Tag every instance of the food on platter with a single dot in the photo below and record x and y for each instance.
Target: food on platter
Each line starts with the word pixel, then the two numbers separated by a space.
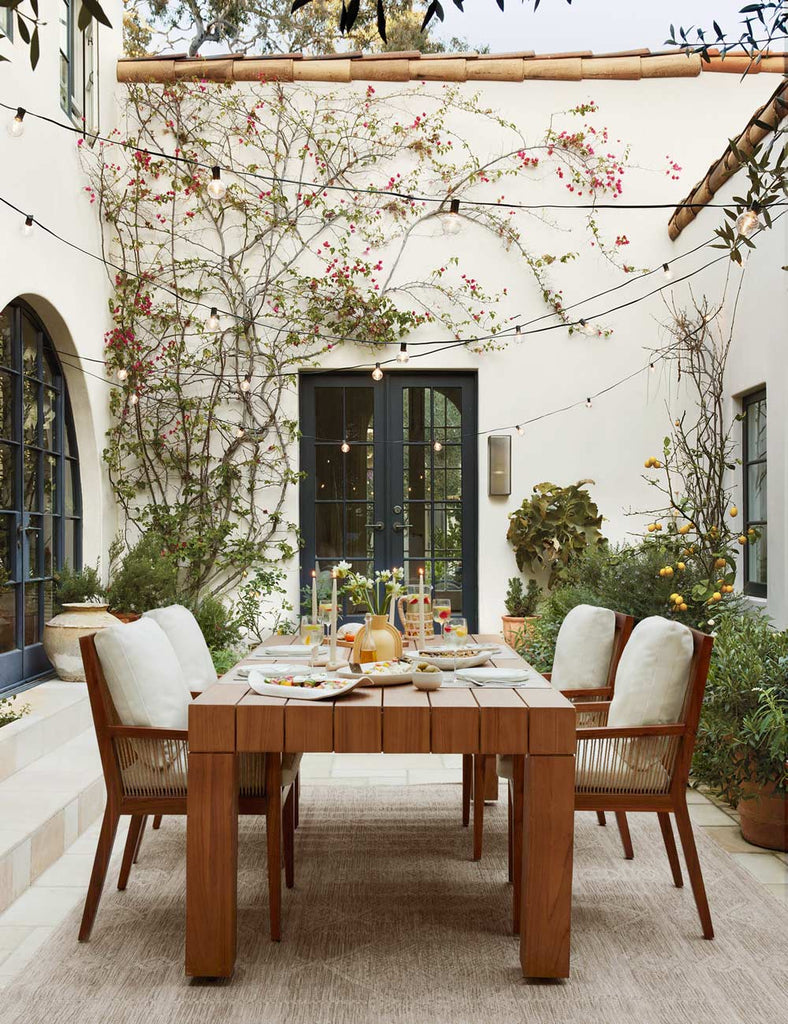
pixel 315 682
pixel 386 668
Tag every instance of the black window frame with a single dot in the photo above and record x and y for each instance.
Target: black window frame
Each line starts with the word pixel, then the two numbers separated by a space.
pixel 752 588
pixel 76 107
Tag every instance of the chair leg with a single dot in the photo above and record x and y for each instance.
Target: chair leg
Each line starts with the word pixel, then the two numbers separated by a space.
pixel 467 784
pixel 130 850
pixel 109 828
pixel 600 818
pixel 479 771
pixel 626 838
pixel 139 838
pixel 511 851
pixel 693 866
pixel 288 835
pixel 273 828
pixel 157 821
pixel 670 848
pixel 517 789
pixel 296 799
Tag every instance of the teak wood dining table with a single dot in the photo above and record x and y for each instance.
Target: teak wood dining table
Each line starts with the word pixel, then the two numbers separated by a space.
pixel 534 723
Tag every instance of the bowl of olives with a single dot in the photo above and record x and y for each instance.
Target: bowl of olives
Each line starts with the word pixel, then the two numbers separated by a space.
pixel 426 676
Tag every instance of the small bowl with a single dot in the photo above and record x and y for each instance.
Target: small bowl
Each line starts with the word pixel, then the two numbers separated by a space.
pixel 427 680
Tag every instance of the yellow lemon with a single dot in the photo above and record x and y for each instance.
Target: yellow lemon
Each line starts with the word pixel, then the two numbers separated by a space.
pixel 680 566
pixel 668 570
pixel 657 464
pixel 657 526
pixel 679 599
pixel 734 512
pixel 675 597
pixel 685 528
pixel 720 563
pixel 682 607
pixel 651 527
pixel 742 539
pixel 461 632
pixel 716 596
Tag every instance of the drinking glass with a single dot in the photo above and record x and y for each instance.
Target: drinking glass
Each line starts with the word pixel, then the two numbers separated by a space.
pixel 441 612
pixel 311 636
pixel 456 632
pixel 324 614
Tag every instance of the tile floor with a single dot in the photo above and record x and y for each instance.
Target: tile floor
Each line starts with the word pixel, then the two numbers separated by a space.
pixel 28 922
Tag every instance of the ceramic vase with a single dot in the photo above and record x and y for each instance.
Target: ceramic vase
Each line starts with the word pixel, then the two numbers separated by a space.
pixel 61 637
pixel 387 639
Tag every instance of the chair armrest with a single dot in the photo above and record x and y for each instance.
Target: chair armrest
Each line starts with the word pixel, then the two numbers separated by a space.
pixel 135 732
pixel 607 732
pixel 598 693
pixel 547 675
pixel 597 706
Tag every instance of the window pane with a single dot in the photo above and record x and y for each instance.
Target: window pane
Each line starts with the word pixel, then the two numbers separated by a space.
pixel 48 420
pixel 49 600
pixel 329 414
pixel 69 474
pixel 70 554
pixel 7 462
pixel 31 474
pixel 50 483
pixel 756 558
pixel 358 470
pixel 359 413
pixel 30 347
pixel 328 472
pixel 755 421
pixel 359 541
pixel 49 546
pixel 328 531
pixel 6 349
pixel 34 541
pixel 32 618
pixel 6 406
pixel 7 618
pixel 7 543
pixel 416 422
pixel 31 419
pixel 756 492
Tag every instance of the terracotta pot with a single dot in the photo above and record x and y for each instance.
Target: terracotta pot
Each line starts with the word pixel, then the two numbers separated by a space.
pixel 764 817
pixel 388 640
pixel 126 616
pixel 514 624
pixel 61 637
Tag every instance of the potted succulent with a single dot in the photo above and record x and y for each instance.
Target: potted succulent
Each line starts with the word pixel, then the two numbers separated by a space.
pixel 742 748
pixel 520 606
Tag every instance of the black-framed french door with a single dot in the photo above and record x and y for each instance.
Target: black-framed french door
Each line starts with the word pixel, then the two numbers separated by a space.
pixel 390 478
pixel 40 499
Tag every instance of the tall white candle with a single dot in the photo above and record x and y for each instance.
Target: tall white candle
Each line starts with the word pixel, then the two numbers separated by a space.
pixel 314 595
pixel 334 608
pixel 422 637
pixel 393 605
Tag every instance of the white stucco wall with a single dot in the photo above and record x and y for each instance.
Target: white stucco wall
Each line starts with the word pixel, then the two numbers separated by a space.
pixel 689 119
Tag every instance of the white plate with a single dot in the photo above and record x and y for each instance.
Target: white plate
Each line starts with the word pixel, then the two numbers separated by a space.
pixel 402 675
pixel 446 660
pixel 281 668
pixel 494 676
pixel 286 650
pixel 266 687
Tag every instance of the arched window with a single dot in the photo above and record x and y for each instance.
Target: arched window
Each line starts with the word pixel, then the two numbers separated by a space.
pixel 40 499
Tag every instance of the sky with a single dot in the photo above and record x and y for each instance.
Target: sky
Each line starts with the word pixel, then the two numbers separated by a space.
pixel 598 25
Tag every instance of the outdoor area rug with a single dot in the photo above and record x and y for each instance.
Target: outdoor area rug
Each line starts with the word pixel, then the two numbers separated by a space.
pixel 391 922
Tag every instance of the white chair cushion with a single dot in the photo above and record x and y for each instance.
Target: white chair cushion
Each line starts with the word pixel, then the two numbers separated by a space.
pixel 144 675
pixel 186 637
pixel 584 648
pixel 652 676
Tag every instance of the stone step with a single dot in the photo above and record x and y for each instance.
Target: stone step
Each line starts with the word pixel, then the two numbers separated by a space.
pixel 58 712
pixel 44 807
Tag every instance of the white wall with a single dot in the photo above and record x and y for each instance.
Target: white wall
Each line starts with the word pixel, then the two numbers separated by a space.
pixel 41 175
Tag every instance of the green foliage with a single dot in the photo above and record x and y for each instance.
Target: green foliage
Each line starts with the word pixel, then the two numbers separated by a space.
pixel 225 657
pixel 743 733
pixel 519 602
pixel 260 605
pixel 10 711
pixel 220 629
pixel 77 585
pixel 553 527
pixel 144 576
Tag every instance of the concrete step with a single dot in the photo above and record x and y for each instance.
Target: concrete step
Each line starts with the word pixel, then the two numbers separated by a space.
pixel 45 806
pixel 58 712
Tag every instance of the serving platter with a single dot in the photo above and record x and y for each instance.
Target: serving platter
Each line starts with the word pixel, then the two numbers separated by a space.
pixel 380 673
pixel 469 656
pixel 293 687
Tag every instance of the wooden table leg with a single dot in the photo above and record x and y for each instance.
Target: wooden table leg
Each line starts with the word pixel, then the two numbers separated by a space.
pixel 211 865
pixel 546 893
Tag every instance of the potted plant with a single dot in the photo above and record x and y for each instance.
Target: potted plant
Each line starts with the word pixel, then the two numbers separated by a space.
pixel 520 606
pixel 80 611
pixel 142 577
pixel 742 748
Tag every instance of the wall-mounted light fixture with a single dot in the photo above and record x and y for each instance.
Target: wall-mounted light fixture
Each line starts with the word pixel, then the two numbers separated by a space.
pixel 499 465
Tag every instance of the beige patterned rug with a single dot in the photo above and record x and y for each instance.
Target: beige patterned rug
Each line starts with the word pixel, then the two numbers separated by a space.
pixel 392 923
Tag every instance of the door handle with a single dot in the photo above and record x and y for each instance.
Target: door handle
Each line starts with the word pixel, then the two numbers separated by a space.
pixel 374 526
pixel 400 527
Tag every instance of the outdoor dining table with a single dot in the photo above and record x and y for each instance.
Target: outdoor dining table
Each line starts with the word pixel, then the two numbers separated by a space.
pixel 535 723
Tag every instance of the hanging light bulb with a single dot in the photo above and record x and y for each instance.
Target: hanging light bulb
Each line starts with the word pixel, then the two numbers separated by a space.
pixel 212 323
pixel 437 446
pixel 452 224
pixel 402 355
pixel 245 385
pixel 667 272
pixel 377 373
pixel 27 227
pixel 517 329
pixel 588 403
pixel 749 222
pixel 240 432
pixel 216 187
pixel 586 328
pixel 652 368
pixel 133 399
pixel 519 429
pixel 344 447
pixel 123 373
pixel 16 126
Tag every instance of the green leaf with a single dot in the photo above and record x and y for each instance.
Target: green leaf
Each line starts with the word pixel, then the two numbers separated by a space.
pixel 22 28
pixel 97 11
pixel 35 49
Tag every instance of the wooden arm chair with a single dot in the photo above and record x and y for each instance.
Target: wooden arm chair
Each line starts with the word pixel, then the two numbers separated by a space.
pixel 146 772
pixel 625 768
pixel 478 768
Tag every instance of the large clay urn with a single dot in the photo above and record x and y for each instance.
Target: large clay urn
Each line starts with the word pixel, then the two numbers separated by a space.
pixel 61 637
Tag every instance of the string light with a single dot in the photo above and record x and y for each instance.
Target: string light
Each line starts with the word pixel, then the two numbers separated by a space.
pixel 216 187
pixel 437 446
pixel 586 328
pixel 133 399
pixel 344 447
pixel 749 222
pixel 519 429
pixel 212 324
pixel 377 373
pixel 245 385
pixel 123 373
pixel 452 224
pixel 667 272
pixel 16 126
pixel 652 367
pixel 517 329
pixel 588 403
pixel 402 355
pixel 240 432
pixel 27 227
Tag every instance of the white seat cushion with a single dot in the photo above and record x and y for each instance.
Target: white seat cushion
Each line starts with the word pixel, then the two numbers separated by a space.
pixel 144 675
pixel 584 648
pixel 186 637
pixel 652 676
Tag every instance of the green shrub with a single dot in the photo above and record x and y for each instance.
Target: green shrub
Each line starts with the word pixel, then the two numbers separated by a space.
pixel 225 657
pixel 77 585
pixel 10 711
pixel 145 577
pixel 216 621
pixel 519 602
